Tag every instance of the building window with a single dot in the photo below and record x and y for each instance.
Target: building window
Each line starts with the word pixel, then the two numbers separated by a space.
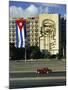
pixel 32 44
pixel 36 30
pixel 36 39
pixel 32 26
pixel 36 21
pixel 10 34
pixel 13 39
pixel 32 39
pixel 36 25
pixel 13 31
pixel 36 43
pixel 13 34
pixel 9 39
pixel 36 34
pixel 13 26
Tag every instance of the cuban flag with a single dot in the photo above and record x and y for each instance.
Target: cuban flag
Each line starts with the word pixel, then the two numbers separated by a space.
pixel 20 33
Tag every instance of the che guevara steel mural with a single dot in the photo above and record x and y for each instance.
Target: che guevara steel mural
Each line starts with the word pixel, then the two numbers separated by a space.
pixel 48 29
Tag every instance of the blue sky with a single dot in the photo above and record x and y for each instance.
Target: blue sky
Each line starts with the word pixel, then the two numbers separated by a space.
pixel 30 9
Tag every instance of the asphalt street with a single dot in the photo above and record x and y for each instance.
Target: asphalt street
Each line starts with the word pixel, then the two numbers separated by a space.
pixel 55 65
pixel 34 74
pixel 32 79
pixel 23 74
pixel 36 83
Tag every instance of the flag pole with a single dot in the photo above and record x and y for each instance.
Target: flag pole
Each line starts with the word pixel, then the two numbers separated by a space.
pixel 25 43
pixel 25 49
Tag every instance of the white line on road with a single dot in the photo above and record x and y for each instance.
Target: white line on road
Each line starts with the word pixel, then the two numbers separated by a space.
pixel 33 71
pixel 37 78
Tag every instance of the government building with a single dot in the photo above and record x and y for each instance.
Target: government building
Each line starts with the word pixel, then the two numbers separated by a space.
pixel 43 31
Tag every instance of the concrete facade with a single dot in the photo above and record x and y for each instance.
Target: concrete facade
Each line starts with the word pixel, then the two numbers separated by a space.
pixel 12 31
pixel 42 31
pixel 32 31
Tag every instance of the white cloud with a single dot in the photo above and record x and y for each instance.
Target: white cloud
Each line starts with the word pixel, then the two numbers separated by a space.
pixel 40 9
pixel 17 12
pixel 31 11
pixel 43 9
pixel 46 10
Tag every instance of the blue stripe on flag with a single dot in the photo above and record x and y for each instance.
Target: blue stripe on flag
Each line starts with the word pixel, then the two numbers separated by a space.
pixel 21 38
pixel 16 36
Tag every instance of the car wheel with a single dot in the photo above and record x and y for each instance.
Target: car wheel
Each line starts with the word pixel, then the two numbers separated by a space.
pixel 47 72
pixel 50 71
pixel 38 72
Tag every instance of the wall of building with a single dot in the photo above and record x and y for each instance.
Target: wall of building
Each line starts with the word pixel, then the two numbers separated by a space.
pixel 32 31
pixel 12 31
pixel 49 27
pixel 43 31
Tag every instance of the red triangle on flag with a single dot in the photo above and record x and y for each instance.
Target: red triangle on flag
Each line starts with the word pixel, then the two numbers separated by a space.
pixel 20 22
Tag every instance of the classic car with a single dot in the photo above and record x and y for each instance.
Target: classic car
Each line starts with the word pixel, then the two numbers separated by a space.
pixel 44 70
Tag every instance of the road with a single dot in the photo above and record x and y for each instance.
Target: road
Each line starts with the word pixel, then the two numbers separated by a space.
pixel 34 74
pixel 32 79
pixel 55 65
pixel 23 74
pixel 36 83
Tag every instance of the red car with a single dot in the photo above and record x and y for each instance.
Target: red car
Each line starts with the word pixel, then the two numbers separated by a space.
pixel 44 71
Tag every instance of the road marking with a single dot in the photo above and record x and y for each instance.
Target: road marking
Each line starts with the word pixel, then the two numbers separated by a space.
pixel 32 71
pixel 37 78
pixel 22 71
